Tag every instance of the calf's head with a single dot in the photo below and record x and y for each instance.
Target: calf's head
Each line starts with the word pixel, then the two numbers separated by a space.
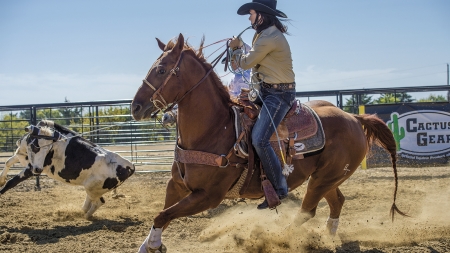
pixel 39 143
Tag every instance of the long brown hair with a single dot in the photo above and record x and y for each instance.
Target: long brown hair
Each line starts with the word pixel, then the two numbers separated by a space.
pixel 267 21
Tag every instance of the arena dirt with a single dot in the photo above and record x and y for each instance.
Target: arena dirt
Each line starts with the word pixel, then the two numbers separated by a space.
pixel 51 220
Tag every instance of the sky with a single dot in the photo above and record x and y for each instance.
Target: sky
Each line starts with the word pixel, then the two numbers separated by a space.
pixel 83 50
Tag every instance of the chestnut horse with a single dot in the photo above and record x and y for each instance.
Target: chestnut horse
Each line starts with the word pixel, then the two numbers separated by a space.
pixel 181 75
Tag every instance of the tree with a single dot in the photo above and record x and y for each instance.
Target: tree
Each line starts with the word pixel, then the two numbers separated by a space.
pixel 433 98
pixel 351 104
pixel 12 129
pixel 392 98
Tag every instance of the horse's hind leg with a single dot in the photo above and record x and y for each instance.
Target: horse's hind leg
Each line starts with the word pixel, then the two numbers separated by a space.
pixel 335 200
pixel 314 193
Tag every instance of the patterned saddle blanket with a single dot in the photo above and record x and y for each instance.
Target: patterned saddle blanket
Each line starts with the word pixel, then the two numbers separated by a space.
pixel 300 132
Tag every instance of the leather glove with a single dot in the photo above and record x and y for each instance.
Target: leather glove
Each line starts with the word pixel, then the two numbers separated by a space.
pixel 236 43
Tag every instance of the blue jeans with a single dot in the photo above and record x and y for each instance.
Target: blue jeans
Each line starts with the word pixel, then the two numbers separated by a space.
pixel 276 104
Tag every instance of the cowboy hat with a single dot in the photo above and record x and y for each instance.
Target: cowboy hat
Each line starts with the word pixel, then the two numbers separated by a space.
pixel 266 6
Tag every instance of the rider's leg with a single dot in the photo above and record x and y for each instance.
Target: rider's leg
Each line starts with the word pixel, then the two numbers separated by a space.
pixel 272 113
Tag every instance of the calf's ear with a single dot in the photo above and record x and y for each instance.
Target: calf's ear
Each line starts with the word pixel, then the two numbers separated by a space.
pixel 32 130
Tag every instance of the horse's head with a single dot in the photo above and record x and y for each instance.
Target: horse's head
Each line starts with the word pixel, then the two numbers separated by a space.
pixel 162 83
pixel 39 143
pixel 177 72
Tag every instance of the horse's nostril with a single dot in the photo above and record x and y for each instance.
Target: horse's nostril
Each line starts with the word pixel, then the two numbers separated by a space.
pixel 136 108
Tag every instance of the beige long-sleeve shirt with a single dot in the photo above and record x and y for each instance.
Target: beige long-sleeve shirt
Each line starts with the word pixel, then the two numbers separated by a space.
pixel 270 56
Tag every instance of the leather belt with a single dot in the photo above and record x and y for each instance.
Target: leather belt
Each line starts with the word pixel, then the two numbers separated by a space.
pixel 279 86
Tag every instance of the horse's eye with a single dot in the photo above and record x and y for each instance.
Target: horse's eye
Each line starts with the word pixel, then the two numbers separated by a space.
pixel 161 71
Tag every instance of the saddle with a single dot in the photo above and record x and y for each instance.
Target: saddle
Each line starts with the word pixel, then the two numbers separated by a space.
pixel 300 133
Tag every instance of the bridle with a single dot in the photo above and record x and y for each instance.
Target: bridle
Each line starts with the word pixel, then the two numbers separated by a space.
pixel 157 96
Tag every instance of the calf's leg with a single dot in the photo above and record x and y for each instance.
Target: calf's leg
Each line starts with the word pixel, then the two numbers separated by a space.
pixel 95 204
pixel 87 204
pixel 10 162
pixel 23 175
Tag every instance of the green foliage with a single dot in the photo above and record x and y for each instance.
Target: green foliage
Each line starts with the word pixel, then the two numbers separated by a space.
pixel 102 125
pixel 433 98
pixel 351 103
pixel 392 98
pixel 13 128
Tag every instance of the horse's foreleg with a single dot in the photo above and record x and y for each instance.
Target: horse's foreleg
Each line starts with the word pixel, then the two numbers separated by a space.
pixel 174 193
pixel 194 203
pixel 335 200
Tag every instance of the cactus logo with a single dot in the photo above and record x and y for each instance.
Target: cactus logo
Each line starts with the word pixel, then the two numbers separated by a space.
pixel 422 133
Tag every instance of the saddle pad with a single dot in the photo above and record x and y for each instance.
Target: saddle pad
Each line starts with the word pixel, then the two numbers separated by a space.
pixel 303 122
pixel 306 144
pixel 305 129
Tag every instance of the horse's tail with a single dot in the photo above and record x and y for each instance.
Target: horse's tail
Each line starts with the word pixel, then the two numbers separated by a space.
pixel 377 131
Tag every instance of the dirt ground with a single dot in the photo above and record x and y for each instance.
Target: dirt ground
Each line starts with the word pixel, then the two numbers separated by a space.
pixel 51 220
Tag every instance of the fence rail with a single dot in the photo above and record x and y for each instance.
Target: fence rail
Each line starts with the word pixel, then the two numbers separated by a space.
pixel 106 123
pixel 110 124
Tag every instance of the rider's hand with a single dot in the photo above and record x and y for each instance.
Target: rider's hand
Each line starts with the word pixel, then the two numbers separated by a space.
pixel 236 43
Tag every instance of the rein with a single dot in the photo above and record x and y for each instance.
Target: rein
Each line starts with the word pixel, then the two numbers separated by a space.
pixel 174 71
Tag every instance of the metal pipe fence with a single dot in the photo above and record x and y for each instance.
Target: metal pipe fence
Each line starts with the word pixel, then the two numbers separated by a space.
pixel 106 123
pixel 110 124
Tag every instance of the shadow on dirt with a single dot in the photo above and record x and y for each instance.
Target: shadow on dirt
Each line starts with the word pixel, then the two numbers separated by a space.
pixel 54 234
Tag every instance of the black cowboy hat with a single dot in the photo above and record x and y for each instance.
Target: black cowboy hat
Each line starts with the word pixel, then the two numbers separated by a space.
pixel 266 6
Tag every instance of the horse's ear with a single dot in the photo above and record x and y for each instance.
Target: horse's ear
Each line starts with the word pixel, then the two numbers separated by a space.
pixel 180 44
pixel 161 45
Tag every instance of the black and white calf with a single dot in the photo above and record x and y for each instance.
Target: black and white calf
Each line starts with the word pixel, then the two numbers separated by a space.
pixel 21 155
pixel 72 160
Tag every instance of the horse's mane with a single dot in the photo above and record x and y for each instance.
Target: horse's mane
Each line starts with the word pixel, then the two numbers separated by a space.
pixel 198 54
